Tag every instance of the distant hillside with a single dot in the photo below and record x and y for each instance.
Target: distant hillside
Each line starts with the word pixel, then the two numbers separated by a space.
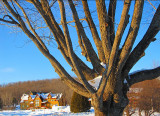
pixel 10 94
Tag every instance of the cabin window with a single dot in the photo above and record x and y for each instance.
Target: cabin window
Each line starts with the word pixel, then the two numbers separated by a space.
pixel 37 103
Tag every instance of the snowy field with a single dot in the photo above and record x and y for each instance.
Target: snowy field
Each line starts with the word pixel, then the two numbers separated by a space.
pixel 56 111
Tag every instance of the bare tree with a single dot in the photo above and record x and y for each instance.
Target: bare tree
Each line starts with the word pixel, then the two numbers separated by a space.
pixel 110 98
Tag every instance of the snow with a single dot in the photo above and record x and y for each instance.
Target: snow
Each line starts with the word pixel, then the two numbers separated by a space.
pixel 135 90
pixel 137 71
pixel 103 64
pixel 95 82
pixel 58 95
pixel 33 96
pixel 24 97
pixel 55 111
pixel 43 95
pixel 125 81
pixel 143 113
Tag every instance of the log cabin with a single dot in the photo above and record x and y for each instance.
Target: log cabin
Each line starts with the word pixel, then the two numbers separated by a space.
pixel 35 100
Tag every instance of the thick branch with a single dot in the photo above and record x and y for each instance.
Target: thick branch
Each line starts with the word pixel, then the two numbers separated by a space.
pixel 57 66
pixel 70 49
pixel 49 14
pixel 144 75
pixel 111 15
pixel 59 36
pixel 102 86
pixel 94 32
pixel 104 28
pixel 121 27
pixel 86 42
pixel 139 50
pixel 29 24
pixel 133 31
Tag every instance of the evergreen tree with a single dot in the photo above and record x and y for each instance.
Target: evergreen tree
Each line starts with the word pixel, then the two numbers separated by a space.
pixel 79 103
pixel 1 103
pixel 14 101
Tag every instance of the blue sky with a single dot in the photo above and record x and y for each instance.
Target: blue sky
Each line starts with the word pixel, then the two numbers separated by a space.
pixel 20 60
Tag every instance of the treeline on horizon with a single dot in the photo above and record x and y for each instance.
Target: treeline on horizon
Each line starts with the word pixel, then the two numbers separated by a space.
pixel 10 94
pixel 148 99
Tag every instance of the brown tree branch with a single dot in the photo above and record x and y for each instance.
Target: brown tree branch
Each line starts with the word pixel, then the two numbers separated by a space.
pixel 83 19
pixel 102 86
pixel 144 75
pixel 94 32
pixel 11 22
pixel 57 66
pixel 121 27
pixel 47 15
pixel 48 12
pixel 139 50
pixel 133 31
pixel 50 21
pixel 86 42
pixel 29 24
pixel 152 4
pixel 104 28
pixel 70 49
pixel 111 15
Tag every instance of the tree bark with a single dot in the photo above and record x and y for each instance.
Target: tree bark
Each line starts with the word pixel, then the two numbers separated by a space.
pixel 99 113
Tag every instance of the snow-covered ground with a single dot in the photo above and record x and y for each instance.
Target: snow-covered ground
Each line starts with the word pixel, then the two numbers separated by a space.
pixel 56 111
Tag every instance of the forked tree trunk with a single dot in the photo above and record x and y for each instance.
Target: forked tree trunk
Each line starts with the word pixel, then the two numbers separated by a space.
pixel 114 112
pixel 100 113
pixel 114 106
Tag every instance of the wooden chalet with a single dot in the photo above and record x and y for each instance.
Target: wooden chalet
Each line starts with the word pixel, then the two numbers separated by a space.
pixel 35 100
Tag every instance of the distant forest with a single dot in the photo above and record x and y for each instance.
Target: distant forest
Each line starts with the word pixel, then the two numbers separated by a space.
pixel 10 94
pixel 145 95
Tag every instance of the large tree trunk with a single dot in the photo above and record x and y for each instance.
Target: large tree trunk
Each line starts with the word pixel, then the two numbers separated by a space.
pixel 100 113
pixel 114 104
pixel 112 112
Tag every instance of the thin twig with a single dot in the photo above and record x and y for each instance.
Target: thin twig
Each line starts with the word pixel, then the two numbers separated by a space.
pixel 152 5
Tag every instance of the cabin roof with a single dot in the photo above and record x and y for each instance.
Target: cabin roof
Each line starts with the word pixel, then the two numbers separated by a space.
pixel 43 96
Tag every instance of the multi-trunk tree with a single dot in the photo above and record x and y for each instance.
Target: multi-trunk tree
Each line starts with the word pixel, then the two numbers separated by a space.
pixel 109 99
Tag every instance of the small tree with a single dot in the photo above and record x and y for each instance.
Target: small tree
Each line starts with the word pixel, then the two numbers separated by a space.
pixel 63 101
pixel 1 104
pixel 14 102
pixel 79 103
